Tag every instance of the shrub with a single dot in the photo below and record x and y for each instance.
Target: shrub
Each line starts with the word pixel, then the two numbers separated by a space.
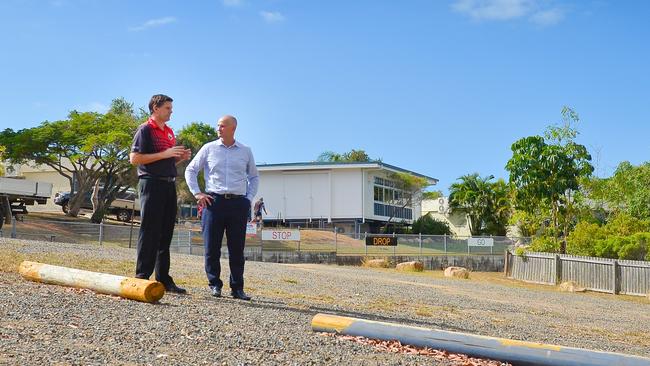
pixel 582 239
pixel 545 244
pixel 427 225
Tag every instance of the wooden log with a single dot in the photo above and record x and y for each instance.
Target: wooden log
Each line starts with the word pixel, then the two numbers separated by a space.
pixel 503 349
pixel 130 288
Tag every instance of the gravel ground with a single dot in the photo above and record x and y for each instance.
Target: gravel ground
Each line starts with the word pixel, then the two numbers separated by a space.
pixel 46 324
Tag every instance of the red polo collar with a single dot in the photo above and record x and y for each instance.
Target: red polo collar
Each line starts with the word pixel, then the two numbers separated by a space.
pixel 153 124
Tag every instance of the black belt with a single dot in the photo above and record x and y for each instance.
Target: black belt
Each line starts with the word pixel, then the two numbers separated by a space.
pixel 227 196
pixel 164 179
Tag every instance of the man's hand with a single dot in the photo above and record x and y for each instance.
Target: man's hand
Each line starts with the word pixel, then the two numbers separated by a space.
pixel 203 199
pixel 174 152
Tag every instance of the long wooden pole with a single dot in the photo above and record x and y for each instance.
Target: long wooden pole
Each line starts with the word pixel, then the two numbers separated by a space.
pixel 517 352
pixel 130 288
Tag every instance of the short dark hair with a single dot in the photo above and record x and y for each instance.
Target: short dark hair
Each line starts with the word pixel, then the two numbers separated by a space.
pixel 158 100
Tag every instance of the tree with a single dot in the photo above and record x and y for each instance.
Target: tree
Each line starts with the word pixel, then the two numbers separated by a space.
pixel 628 190
pixel 408 192
pixel 2 167
pixel 95 145
pixel 486 204
pixel 427 225
pixel 546 171
pixel 193 136
pixel 111 149
pixel 348 157
pixel 431 195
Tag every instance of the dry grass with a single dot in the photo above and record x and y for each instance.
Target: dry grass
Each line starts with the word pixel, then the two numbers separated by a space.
pixel 375 263
pixel 10 260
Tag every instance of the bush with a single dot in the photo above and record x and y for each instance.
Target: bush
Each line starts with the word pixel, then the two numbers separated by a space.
pixel 583 238
pixel 427 225
pixel 634 247
pixel 545 244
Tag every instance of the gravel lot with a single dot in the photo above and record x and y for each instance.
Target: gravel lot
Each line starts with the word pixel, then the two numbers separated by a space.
pixel 46 324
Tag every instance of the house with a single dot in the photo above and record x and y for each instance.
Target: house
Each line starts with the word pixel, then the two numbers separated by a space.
pixel 439 210
pixel 354 197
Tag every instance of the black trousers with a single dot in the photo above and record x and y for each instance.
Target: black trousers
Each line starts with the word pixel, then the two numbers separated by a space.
pixel 229 215
pixel 158 215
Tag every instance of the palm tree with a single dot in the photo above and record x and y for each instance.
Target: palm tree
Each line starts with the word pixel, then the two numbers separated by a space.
pixel 486 204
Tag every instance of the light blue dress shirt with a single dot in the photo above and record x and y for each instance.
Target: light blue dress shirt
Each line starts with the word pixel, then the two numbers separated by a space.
pixel 227 169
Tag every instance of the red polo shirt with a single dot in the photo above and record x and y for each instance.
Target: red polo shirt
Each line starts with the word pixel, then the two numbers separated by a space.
pixel 151 139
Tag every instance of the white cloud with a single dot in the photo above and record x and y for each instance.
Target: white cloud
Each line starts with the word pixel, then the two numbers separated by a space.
pixel 232 2
pixel 493 9
pixel 536 11
pixel 548 17
pixel 272 16
pixel 153 23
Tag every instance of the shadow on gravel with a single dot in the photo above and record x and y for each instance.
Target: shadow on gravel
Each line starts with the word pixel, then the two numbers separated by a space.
pixel 313 310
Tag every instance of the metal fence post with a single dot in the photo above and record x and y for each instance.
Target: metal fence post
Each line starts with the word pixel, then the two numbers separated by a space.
pixel 101 232
pixel 558 269
pixel 336 240
pixel 189 237
pixel 298 240
pixel 13 227
pixel 445 243
pixel 365 234
pixel 420 241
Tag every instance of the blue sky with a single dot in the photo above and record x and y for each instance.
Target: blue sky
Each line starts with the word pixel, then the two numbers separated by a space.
pixel 440 87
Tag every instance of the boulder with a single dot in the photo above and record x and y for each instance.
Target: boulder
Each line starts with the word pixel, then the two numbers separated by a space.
pixel 571 286
pixel 414 266
pixel 376 263
pixel 458 272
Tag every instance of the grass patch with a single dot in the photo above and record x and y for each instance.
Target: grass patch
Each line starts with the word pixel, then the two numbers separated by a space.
pixel 290 280
pixel 11 259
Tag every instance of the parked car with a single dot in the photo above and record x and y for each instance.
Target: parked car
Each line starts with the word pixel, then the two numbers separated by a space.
pixel 121 207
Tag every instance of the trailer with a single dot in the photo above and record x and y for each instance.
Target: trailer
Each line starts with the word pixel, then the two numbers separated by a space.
pixel 16 194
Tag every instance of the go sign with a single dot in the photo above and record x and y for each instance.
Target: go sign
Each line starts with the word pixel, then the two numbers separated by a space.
pixel 381 241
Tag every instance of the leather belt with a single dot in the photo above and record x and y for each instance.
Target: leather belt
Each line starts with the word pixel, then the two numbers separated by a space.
pixel 164 179
pixel 227 196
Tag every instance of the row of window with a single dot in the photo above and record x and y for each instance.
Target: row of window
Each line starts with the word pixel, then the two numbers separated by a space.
pixel 394 211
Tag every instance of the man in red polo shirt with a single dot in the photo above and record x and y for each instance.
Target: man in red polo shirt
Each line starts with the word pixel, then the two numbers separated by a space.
pixel 154 152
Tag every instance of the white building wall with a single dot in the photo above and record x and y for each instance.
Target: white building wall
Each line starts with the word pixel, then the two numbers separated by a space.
pixel 346 193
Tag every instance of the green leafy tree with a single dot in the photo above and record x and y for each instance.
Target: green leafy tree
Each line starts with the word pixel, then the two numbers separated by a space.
pixel 2 166
pixel 628 190
pixel 95 145
pixel 348 157
pixel 409 189
pixel 193 136
pixel 427 225
pixel 111 148
pixel 431 195
pixel 546 171
pixel 485 203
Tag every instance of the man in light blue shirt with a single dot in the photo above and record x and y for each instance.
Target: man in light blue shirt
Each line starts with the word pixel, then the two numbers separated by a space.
pixel 231 182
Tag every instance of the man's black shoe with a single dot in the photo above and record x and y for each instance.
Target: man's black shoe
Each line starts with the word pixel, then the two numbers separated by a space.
pixel 175 289
pixel 216 292
pixel 240 294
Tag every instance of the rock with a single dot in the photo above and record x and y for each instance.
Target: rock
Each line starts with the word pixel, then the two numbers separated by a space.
pixel 571 286
pixel 414 266
pixel 376 263
pixel 458 272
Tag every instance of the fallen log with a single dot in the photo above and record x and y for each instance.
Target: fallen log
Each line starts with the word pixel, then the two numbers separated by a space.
pixel 127 287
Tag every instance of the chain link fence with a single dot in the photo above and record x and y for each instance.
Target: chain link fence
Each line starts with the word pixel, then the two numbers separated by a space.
pixel 187 239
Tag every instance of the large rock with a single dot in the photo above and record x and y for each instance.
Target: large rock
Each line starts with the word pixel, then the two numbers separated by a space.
pixel 376 263
pixel 571 286
pixel 414 266
pixel 458 272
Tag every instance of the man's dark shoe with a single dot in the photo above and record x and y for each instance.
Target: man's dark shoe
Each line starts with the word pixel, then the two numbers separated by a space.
pixel 171 287
pixel 216 292
pixel 240 294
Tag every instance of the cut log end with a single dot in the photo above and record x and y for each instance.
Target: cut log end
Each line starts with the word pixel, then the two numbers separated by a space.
pixel 142 290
